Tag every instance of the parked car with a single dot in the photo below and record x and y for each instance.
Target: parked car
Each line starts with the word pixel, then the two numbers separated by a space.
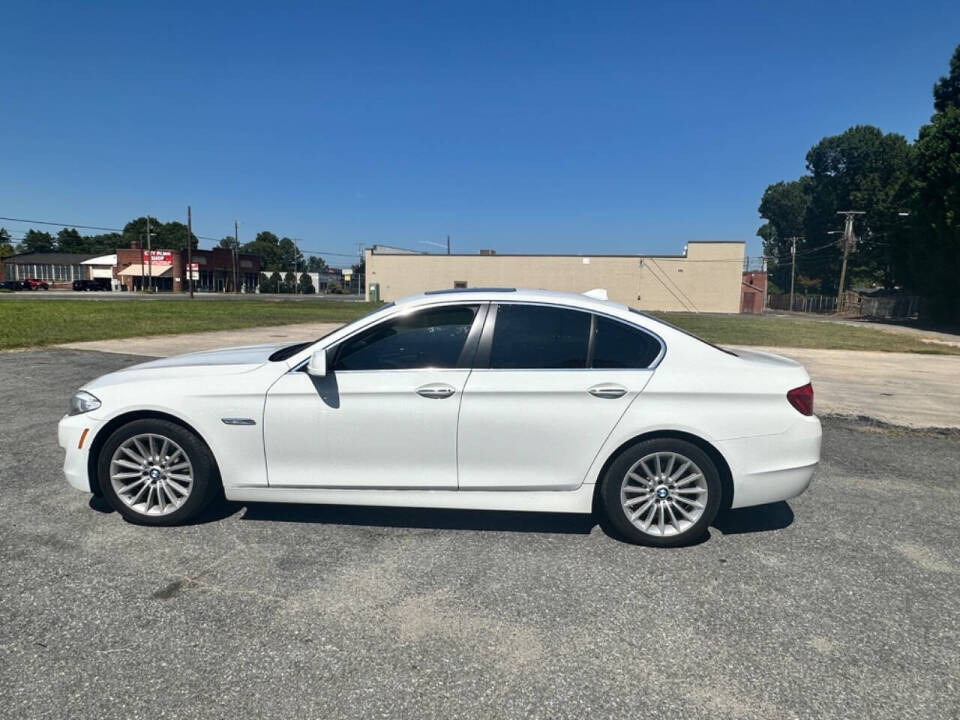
pixel 35 284
pixel 13 285
pixel 94 284
pixel 485 399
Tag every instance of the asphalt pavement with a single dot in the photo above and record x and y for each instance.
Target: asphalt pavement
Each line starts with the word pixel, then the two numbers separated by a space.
pixel 841 603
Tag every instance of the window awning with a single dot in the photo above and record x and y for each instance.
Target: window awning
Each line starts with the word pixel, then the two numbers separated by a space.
pixel 155 271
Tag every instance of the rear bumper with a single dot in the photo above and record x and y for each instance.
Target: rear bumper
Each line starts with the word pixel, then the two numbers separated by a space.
pixel 69 432
pixel 771 468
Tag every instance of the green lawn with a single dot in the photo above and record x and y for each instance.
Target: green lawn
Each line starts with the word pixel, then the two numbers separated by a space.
pixel 799 333
pixel 28 322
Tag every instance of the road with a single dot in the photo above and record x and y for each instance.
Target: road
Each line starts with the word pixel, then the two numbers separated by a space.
pixel 840 603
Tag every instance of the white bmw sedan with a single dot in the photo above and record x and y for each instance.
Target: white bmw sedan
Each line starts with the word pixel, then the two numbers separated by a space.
pixel 495 399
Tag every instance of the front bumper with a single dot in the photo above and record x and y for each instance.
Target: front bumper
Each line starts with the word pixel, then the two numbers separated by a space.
pixel 771 468
pixel 69 432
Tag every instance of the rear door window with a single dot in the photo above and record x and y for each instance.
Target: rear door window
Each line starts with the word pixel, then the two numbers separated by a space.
pixel 617 345
pixel 539 337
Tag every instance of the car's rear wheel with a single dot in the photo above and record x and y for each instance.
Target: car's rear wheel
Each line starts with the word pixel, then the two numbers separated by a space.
pixel 155 472
pixel 663 492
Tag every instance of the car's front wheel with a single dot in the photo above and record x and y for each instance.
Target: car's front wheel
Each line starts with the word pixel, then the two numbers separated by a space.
pixel 663 492
pixel 155 472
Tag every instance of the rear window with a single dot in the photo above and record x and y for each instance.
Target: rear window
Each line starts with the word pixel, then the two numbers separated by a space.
pixel 616 345
pixel 681 330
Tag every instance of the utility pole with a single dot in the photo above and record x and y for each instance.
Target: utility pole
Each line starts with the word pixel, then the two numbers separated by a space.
pixel 149 257
pixel 849 240
pixel 763 268
pixel 236 247
pixel 296 267
pixel 190 251
pixel 448 244
pixel 793 263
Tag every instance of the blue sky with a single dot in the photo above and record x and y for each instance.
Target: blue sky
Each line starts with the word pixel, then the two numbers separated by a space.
pixel 524 127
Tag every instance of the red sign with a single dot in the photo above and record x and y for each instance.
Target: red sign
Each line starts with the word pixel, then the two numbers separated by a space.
pixel 158 257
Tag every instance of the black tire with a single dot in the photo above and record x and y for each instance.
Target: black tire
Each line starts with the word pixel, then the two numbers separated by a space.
pixel 613 480
pixel 206 478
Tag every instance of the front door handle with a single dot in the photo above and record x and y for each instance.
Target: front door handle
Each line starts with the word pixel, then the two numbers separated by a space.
pixel 608 390
pixel 436 391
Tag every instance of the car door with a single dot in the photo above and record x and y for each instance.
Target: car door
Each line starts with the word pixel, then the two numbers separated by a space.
pixel 385 415
pixel 550 384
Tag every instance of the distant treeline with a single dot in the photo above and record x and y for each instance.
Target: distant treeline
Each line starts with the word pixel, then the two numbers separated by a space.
pixel 909 236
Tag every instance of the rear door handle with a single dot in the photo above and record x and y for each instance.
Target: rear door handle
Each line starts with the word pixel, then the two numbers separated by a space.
pixel 436 391
pixel 608 390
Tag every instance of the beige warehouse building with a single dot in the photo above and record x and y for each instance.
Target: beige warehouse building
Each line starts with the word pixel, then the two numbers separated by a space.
pixel 705 278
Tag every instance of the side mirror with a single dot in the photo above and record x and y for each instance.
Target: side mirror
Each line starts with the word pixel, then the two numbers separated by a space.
pixel 317 367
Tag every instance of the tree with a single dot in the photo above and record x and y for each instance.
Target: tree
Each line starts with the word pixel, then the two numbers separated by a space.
pixel 276 282
pixel 946 91
pixel 935 257
pixel 860 169
pixel 173 236
pixel 229 242
pixel 36 241
pixel 266 246
pixel 135 232
pixel 316 264
pixel 290 255
pixel 306 285
pixel 289 284
pixel 6 247
pixel 69 240
pixel 103 244
pixel 784 206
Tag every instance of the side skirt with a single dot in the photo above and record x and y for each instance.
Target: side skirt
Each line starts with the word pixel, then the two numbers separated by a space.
pixel 568 501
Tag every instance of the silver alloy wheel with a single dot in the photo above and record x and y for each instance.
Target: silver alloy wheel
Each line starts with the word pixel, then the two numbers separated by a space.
pixel 664 494
pixel 151 474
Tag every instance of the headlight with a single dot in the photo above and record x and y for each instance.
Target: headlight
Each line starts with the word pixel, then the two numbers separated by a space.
pixel 82 402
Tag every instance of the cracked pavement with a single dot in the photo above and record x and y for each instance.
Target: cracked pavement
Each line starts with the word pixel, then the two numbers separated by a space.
pixel 840 603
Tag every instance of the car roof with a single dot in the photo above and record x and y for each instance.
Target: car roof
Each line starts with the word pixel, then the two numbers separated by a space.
pixel 552 297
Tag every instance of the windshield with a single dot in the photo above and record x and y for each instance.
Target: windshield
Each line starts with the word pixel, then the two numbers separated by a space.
pixel 290 350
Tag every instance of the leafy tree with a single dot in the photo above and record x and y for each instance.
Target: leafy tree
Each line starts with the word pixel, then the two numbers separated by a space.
pixel 6 247
pixel 946 91
pixel 266 245
pixel 36 241
pixel 935 256
pixel 135 232
pixel 784 206
pixel 265 285
pixel 276 282
pixel 173 236
pixel 289 284
pixel 860 169
pixel 335 288
pixel 229 242
pixel 306 285
pixel 71 241
pixel 316 264
pixel 290 255
pixel 102 244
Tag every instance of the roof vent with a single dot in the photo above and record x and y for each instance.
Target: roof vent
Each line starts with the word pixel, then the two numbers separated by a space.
pixel 597 294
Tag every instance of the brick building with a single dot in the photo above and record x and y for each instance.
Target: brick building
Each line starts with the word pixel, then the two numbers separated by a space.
pixel 215 270
pixel 752 290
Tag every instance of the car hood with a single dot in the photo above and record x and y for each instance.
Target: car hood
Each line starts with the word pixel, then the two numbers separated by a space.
pixel 244 355
pixel 226 361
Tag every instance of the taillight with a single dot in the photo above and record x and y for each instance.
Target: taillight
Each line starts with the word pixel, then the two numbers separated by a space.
pixel 802 399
